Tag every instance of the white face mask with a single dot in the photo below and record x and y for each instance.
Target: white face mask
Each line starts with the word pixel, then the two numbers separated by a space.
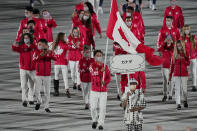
pixel 46 15
pixel 86 8
pixel 179 48
pixel 187 32
pixel 85 17
pixel 40 47
pixel 27 15
pixel 128 14
pixel 99 59
pixel 128 23
pixel 168 23
pixel 27 41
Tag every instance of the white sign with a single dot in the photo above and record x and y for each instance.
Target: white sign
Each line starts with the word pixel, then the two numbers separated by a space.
pixel 127 63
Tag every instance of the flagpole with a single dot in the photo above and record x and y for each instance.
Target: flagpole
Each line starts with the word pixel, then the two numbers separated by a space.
pixel 105 61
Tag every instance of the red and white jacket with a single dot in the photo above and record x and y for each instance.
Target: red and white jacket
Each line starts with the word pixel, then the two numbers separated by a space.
pixel 25 58
pixel 50 24
pixel 137 18
pixel 188 45
pixel 97 77
pixel 43 26
pixel 37 33
pixel 87 35
pixel 176 13
pixel 75 54
pixel 96 24
pixel 76 21
pixel 179 67
pixel 138 76
pixel 164 32
pixel 166 52
pixel 43 63
pixel 60 53
pixel 84 65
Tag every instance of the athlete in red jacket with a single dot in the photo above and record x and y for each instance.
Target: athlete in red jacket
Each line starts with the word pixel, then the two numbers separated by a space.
pixel 191 46
pixel 168 35
pixel 85 77
pixel 60 48
pixel 98 89
pixel 75 45
pixel 50 23
pixel 27 68
pixel 23 23
pixel 42 58
pixel 136 18
pixel 176 12
pixel 180 62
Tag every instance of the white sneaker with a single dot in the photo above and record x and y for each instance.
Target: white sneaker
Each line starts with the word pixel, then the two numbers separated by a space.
pixel 154 7
pixel 150 4
pixel 100 10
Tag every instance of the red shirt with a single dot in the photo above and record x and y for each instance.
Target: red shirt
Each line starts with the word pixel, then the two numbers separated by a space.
pixel 97 77
pixel 164 33
pixel 50 24
pixel 25 58
pixel 75 54
pixel 60 53
pixel 176 13
pixel 179 67
pixel 188 45
pixel 84 65
pixel 43 63
pixel 37 29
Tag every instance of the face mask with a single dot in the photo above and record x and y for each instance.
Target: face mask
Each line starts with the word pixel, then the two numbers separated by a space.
pixel 86 8
pixel 132 87
pixel 179 48
pixel 80 16
pixel 75 35
pixel 46 15
pixel 168 23
pixel 85 17
pixel 128 14
pixel 187 32
pixel 128 23
pixel 26 41
pixel 99 59
pixel 40 47
pixel 27 15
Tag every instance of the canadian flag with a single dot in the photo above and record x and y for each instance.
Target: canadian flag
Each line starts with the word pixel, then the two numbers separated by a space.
pixel 119 32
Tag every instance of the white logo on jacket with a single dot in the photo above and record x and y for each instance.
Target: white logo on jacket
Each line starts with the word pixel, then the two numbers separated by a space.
pixel 58 50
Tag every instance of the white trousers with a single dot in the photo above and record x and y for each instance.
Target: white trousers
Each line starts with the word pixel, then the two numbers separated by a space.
pixel 46 81
pixel 86 91
pixel 27 80
pixel 75 75
pixel 180 86
pixel 193 71
pixel 166 87
pixel 64 70
pixel 98 98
